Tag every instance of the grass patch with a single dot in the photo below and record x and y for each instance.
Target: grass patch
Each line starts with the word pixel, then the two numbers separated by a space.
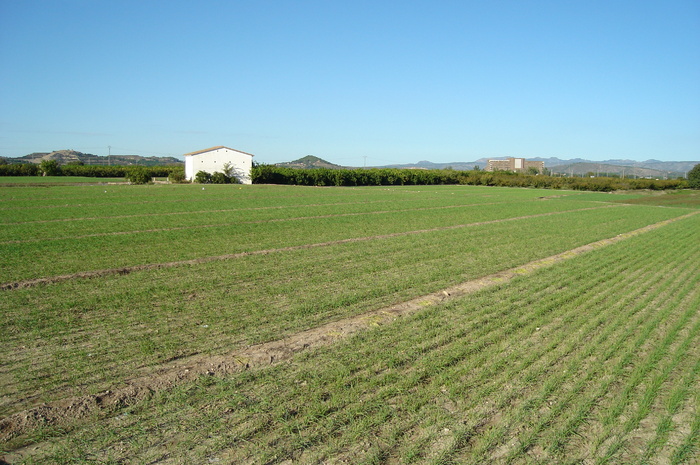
pixel 54 180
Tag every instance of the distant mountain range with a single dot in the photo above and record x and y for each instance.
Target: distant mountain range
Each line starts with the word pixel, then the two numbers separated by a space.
pixel 65 157
pixel 576 166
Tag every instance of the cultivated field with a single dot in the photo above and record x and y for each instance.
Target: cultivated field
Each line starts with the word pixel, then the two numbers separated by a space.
pixel 422 324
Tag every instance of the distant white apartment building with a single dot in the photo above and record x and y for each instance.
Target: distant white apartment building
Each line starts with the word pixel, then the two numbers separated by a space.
pixel 514 164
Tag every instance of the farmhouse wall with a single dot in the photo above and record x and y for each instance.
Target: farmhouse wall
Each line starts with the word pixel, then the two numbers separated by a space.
pixel 213 160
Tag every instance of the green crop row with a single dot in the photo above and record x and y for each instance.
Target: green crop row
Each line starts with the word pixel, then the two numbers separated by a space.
pixel 80 201
pixel 66 255
pixel 95 329
pixel 162 196
pixel 432 213
pixel 53 221
pixel 595 360
pixel 148 225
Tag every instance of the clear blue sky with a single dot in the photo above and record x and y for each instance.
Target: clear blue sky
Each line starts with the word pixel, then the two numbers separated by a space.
pixel 395 82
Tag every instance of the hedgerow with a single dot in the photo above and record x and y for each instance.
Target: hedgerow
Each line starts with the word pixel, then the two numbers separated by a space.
pixel 270 174
pixel 90 171
pixel 19 169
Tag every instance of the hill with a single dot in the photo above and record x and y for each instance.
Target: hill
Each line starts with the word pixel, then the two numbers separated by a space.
pixel 310 162
pixel 64 157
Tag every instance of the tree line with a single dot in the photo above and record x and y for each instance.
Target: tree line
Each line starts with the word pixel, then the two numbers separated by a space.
pixel 270 174
pixel 135 173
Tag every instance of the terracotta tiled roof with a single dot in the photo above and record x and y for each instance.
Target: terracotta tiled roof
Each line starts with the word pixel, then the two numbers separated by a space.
pixel 216 148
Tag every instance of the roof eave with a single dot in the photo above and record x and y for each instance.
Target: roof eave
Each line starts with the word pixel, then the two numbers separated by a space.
pixel 199 152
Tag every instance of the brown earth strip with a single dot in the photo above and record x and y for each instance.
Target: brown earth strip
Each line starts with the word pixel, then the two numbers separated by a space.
pixel 153 266
pixel 161 378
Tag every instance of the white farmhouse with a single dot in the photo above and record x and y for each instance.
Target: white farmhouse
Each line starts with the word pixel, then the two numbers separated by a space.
pixel 213 159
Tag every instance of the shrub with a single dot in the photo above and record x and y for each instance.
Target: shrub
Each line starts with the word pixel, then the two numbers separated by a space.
pixel 49 168
pixel 202 177
pixel 138 175
pixel 177 175
pixel 219 178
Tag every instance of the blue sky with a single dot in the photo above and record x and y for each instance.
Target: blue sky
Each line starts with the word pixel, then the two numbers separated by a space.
pixel 395 82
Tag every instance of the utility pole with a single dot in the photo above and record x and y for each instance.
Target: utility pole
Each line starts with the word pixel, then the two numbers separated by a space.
pixel 109 156
pixel 365 165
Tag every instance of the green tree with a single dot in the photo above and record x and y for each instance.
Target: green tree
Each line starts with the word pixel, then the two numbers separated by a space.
pixel 229 175
pixel 694 177
pixel 177 175
pixel 138 175
pixel 49 168
pixel 228 170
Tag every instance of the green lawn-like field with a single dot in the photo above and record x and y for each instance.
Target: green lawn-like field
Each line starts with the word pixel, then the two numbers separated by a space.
pixel 55 180
pixel 594 359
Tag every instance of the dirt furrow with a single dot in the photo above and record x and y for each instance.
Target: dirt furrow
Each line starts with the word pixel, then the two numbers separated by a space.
pixel 153 379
